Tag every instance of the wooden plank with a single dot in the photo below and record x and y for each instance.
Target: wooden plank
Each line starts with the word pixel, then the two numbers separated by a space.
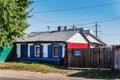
pixel 91 58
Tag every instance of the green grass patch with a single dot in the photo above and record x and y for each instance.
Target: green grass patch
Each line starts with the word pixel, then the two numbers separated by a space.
pixel 97 74
pixel 51 68
pixel 34 66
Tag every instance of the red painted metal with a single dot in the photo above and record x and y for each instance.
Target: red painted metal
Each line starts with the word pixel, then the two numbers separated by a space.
pixel 77 45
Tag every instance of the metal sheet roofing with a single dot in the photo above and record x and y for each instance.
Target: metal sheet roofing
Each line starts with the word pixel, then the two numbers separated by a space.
pixel 93 39
pixel 48 36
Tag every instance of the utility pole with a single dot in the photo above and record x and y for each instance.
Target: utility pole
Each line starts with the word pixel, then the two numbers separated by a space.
pixel 96 29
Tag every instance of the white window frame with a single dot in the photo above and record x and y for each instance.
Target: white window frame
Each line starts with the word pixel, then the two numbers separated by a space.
pixel 29 49
pixel 18 50
pixel 36 55
pixel 53 51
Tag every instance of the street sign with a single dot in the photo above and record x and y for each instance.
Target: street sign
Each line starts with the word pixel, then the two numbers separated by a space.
pixel 77 53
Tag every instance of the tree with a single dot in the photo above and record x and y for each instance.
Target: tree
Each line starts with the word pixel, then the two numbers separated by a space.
pixel 13 16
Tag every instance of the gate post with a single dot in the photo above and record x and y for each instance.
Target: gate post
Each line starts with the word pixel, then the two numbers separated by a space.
pixel 99 65
pixel 113 59
pixel 66 56
pixel 116 57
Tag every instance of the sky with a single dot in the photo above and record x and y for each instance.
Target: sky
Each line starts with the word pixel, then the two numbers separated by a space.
pixel 81 13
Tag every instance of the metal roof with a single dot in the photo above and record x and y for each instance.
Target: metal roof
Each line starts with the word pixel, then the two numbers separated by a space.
pixel 48 36
pixel 93 39
pixel 57 36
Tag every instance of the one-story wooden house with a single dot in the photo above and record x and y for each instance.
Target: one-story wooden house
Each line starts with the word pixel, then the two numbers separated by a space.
pixel 49 46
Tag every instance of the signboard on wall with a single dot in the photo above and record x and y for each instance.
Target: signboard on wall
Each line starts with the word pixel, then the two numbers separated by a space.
pixel 77 53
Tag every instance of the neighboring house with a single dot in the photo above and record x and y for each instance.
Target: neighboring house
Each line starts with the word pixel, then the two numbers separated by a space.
pixel 49 46
pixel 93 41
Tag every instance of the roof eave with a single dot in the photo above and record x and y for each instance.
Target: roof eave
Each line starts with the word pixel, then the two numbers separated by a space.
pixel 40 42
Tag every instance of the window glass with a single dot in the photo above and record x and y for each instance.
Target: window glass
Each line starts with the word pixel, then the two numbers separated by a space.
pixel 37 50
pixel 55 50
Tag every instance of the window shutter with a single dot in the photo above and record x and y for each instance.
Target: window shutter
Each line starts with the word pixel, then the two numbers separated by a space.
pixel 24 50
pixel 41 51
pixel 32 51
pixel 49 51
pixel 60 51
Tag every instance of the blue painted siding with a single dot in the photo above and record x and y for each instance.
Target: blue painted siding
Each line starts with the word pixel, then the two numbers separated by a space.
pixel 24 50
pixel 32 51
pixel 40 59
pixel 49 51
pixel 24 53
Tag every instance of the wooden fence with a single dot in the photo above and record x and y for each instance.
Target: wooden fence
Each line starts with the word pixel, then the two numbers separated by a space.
pixel 90 58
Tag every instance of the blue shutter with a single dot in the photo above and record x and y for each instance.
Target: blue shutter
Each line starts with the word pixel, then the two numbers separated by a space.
pixel 60 51
pixel 24 50
pixel 32 51
pixel 49 51
pixel 41 51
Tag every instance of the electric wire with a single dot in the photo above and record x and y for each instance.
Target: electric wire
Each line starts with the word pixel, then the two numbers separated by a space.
pixel 80 8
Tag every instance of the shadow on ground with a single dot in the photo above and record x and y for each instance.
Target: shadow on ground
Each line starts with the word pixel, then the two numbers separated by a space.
pixel 97 74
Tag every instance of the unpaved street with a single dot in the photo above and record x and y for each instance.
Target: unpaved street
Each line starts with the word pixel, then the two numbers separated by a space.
pixel 27 75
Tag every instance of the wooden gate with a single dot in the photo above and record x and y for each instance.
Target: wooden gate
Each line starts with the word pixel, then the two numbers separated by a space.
pixel 90 58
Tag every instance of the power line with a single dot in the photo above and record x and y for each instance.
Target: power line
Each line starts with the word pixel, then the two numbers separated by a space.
pixel 40 1
pixel 109 20
pixel 68 9
pixel 111 34
pixel 102 21
pixel 54 19
pixel 41 21
pixel 99 18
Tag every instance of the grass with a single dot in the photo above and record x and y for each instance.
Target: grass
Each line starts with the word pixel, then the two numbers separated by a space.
pixel 32 66
pixel 51 68
pixel 96 74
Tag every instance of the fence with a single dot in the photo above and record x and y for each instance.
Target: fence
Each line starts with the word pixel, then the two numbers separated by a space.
pixel 90 58
pixel 7 53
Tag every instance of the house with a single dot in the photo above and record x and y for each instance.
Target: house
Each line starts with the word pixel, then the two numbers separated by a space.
pixel 49 46
pixel 53 46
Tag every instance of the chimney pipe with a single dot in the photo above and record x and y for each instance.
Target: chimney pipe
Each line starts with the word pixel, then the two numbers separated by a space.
pixel 65 28
pixel 59 28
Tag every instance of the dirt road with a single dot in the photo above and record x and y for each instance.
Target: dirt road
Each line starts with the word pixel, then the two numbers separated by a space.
pixel 27 75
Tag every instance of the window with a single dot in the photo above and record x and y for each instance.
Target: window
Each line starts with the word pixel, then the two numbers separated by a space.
pixel 55 50
pixel 37 50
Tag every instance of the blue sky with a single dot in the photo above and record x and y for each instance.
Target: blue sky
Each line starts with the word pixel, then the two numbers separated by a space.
pixel 109 31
